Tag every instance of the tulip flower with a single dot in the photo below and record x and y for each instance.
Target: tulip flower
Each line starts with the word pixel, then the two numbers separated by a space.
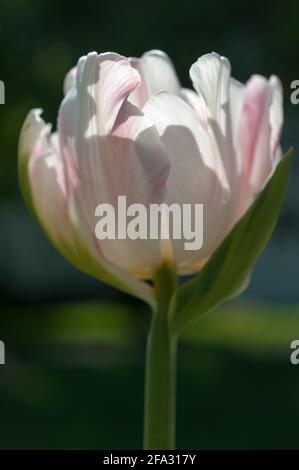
pixel 127 127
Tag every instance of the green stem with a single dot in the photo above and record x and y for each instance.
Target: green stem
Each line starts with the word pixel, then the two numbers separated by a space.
pixel 160 380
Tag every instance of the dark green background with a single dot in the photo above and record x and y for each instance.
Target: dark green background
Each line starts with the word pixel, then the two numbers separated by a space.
pixel 75 348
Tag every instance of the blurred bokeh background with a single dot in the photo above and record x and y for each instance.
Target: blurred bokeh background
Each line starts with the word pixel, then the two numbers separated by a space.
pixel 75 347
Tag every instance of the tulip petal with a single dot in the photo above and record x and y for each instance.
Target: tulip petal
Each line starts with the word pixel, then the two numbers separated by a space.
pixel 132 162
pixel 236 97
pixel 104 82
pixel 197 102
pixel 259 133
pixel 254 131
pixel 276 113
pixel 196 172
pixel 92 256
pixel 180 129
pixel 44 173
pixel 120 157
pixel 70 80
pixel 211 79
pixel 157 74
pixel 90 110
pixel 124 158
pixel 210 76
pixel 91 107
pixel 29 134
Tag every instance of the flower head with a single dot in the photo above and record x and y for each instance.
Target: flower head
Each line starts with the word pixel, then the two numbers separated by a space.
pixel 127 127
